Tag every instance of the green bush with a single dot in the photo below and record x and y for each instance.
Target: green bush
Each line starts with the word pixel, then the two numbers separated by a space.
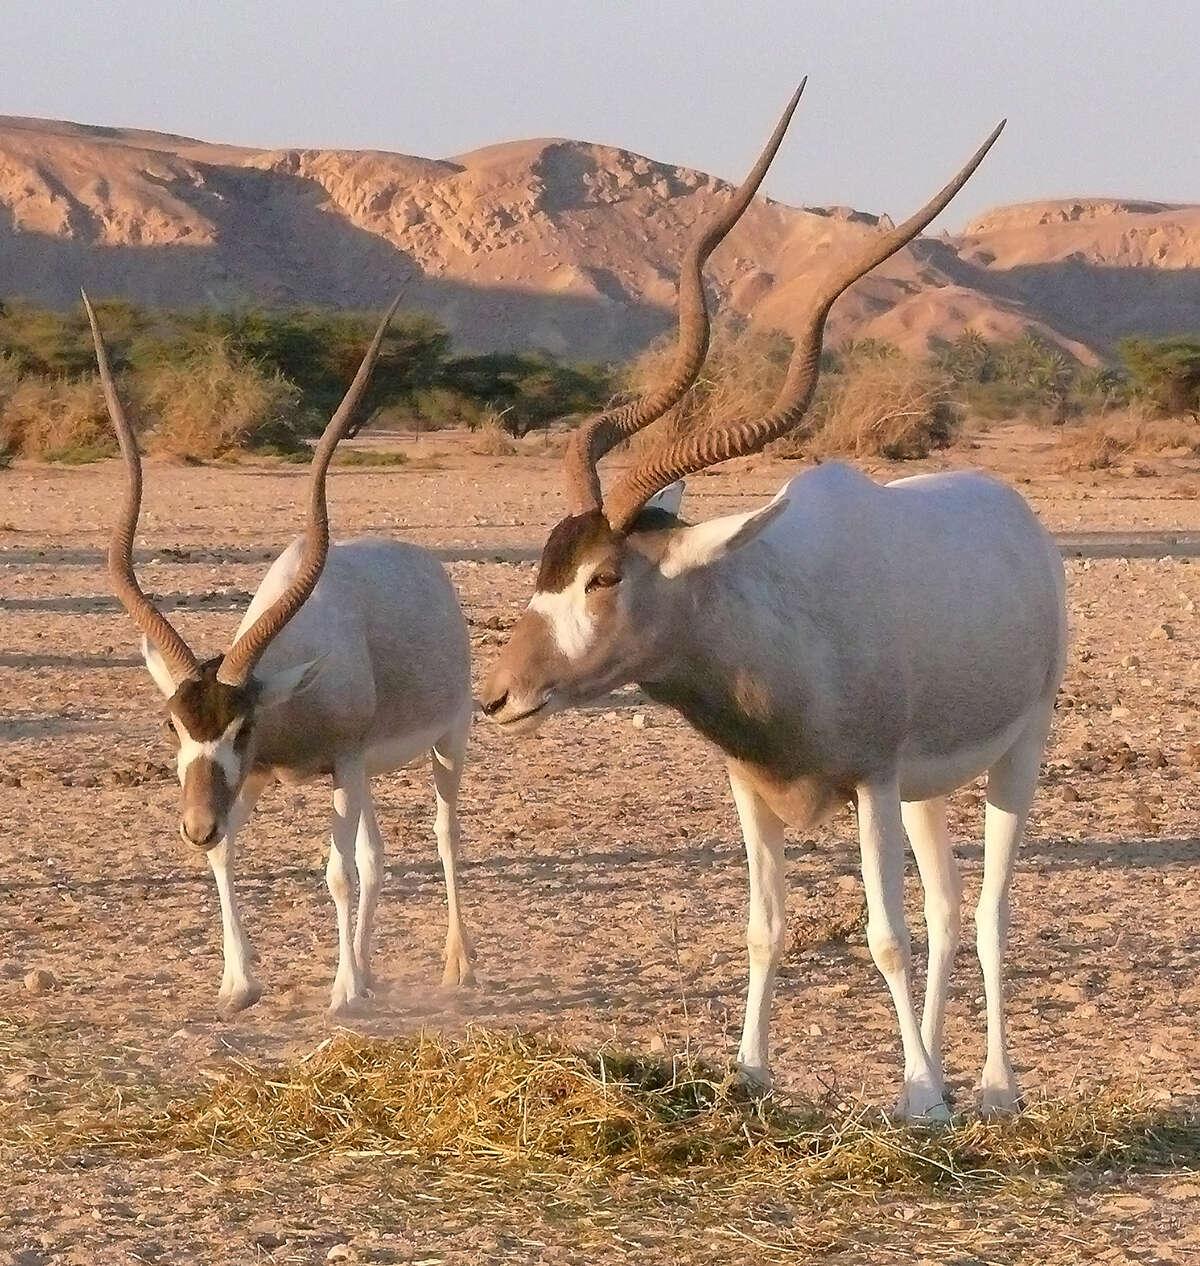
pixel 1164 372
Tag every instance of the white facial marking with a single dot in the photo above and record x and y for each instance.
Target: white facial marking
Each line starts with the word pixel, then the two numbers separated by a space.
pixel 220 750
pixel 571 625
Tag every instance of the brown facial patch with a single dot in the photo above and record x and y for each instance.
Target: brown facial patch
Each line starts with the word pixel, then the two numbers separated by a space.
pixel 206 707
pixel 205 789
pixel 574 539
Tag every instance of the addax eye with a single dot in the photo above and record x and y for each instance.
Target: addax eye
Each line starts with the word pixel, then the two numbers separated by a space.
pixel 602 580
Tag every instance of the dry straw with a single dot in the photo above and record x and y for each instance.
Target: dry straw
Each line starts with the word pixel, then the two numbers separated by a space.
pixel 509 1106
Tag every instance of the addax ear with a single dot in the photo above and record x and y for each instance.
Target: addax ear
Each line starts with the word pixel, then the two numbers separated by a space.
pixel 157 667
pixel 669 499
pixel 705 543
pixel 288 682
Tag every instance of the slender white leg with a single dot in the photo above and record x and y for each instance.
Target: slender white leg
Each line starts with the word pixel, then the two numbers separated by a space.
pixel 766 927
pixel 925 823
pixel 881 837
pixel 239 989
pixel 1012 781
pixel 349 798
pixel 447 759
pixel 368 859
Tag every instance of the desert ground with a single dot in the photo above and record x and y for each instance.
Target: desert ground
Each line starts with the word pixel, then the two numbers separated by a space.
pixel 604 887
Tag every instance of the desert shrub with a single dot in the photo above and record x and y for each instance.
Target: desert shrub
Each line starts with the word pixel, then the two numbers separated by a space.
pixel 10 377
pixel 882 407
pixel 54 418
pixel 1105 440
pixel 492 438
pixel 1164 373
pixel 998 380
pixel 319 352
pixel 740 379
pixel 525 391
pixel 216 402
pixel 370 457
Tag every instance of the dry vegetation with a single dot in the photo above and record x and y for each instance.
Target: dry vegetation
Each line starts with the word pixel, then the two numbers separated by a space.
pixel 208 405
pixel 53 419
pixel 526 1108
pixel 892 408
pixel 1107 439
pixel 887 406
pixel 215 402
pixel 490 438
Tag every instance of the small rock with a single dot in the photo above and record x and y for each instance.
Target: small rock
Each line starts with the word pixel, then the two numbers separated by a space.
pixel 1130 661
pixel 1164 632
pixel 1143 817
pixel 658 1044
pixel 639 721
pixel 39 980
pixel 849 883
pixel 1068 793
pixel 1155 758
pixel 814 1030
pixel 340 1253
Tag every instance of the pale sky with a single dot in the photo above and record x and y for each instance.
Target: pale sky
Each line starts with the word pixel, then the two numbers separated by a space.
pixel 1102 96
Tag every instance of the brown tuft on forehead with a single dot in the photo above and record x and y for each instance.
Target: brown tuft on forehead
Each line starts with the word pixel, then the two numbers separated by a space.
pixel 207 707
pixel 573 540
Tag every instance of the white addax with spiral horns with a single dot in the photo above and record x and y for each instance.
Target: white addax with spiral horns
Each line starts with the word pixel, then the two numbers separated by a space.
pixel 847 642
pixel 352 660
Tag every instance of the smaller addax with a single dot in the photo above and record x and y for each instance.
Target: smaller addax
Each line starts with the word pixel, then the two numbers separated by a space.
pixel 352 660
pixel 845 642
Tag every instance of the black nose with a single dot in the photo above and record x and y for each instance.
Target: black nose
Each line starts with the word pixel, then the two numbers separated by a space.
pixel 495 703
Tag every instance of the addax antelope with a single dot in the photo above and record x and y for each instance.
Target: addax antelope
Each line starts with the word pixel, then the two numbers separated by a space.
pixel 847 642
pixel 352 660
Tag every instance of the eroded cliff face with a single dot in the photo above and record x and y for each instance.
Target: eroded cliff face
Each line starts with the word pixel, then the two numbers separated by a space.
pixel 558 244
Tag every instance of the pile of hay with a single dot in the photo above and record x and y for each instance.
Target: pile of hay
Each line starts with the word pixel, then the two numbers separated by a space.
pixel 498 1100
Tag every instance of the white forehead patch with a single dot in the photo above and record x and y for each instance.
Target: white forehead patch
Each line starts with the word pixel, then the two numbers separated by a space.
pixel 220 751
pixel 567 615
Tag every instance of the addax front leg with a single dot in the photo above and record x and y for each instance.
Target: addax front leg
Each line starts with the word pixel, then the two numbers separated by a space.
pixel 766 928
pixel 447 759
pixel 349 798
pixel 239 989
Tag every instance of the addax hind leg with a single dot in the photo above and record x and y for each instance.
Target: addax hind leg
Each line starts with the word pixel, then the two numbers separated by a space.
pixel 368 860
pixel 766 928
pixel 881 837
pixel 447 758
pixel 1011 783
pixel 925 824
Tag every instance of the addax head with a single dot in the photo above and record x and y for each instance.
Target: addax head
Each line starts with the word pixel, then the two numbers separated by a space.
pixel 599 616
pixel 213 725
pixel 606 608
pixel 213 707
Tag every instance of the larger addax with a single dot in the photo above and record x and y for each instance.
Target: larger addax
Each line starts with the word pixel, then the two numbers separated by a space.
pixel 352 660
pixel 847 642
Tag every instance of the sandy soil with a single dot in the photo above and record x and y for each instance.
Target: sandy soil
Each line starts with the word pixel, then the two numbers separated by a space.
pixel 604 879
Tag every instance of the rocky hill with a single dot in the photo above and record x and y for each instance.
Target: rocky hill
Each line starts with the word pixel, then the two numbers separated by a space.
pixel 557 244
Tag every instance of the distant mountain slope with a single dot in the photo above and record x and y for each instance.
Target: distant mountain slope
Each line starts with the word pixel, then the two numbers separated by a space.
pixel 548 243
